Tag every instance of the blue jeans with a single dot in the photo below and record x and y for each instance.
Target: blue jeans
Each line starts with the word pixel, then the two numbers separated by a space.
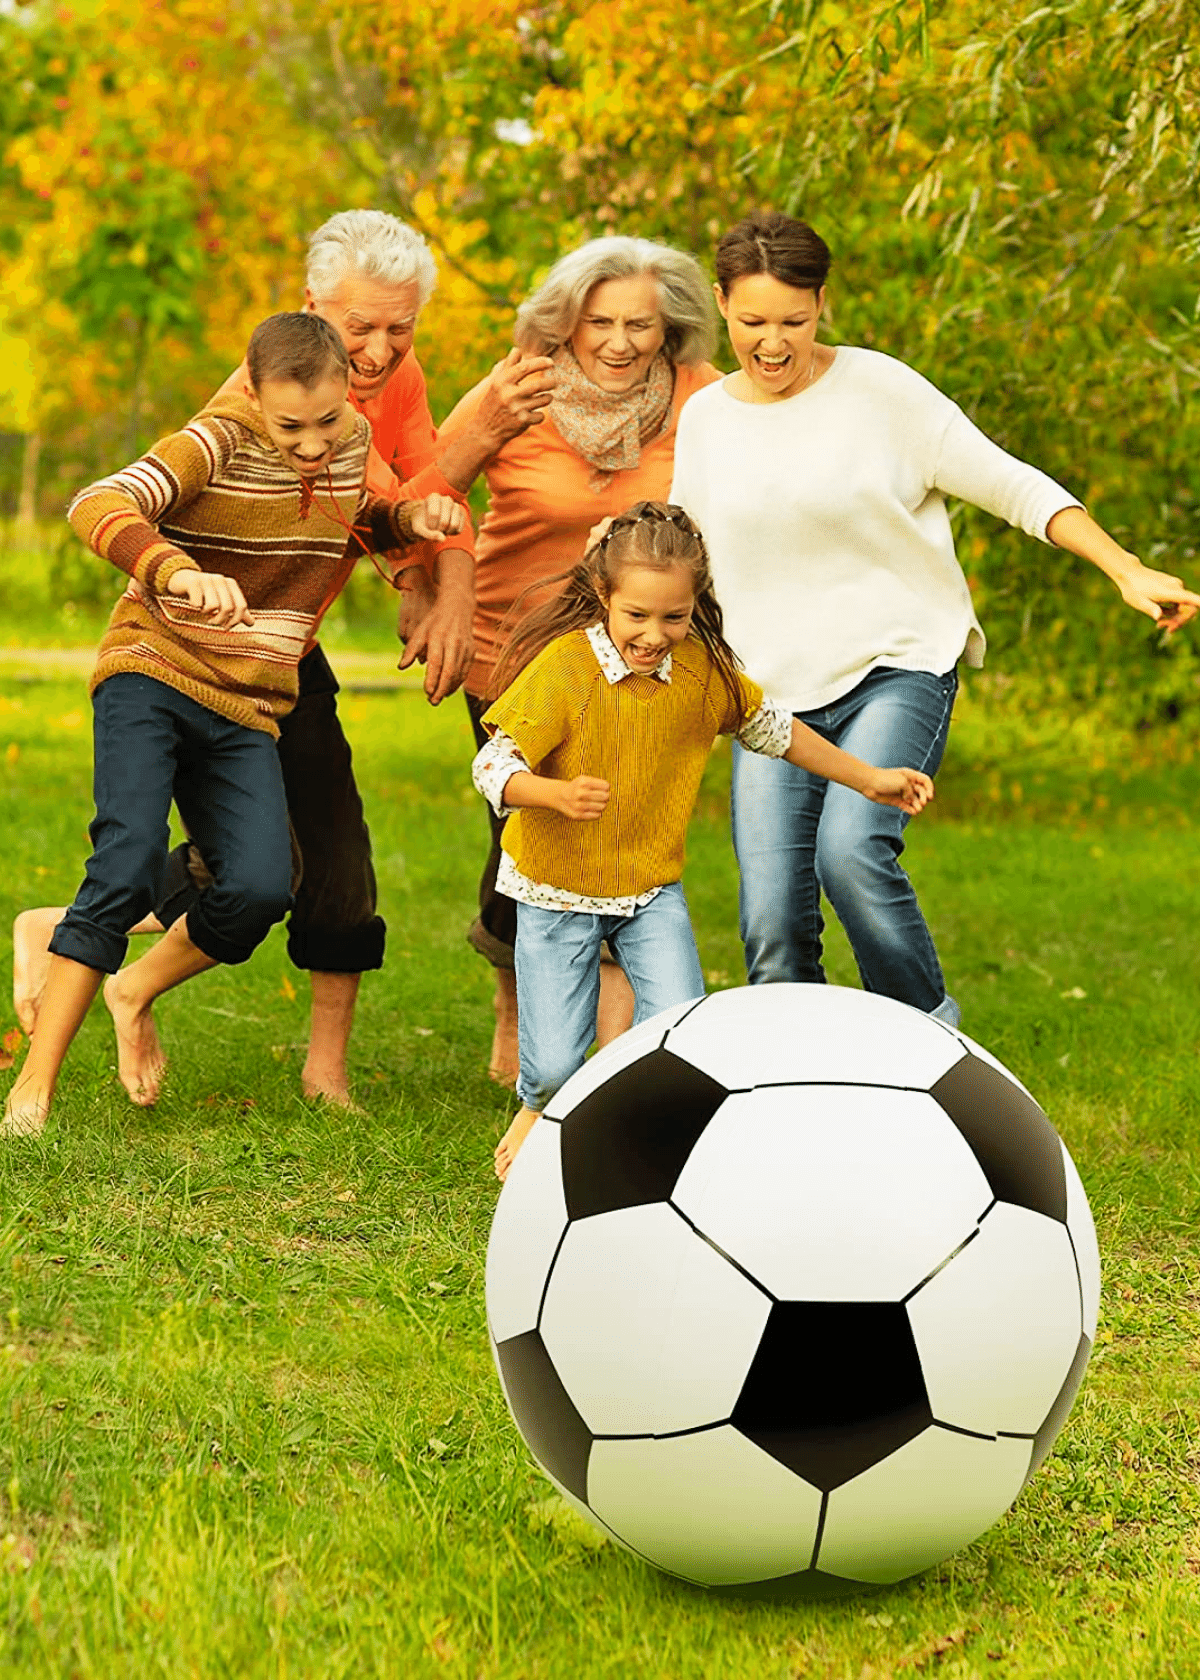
pixel 558 980
pixel 796 834
pixel 153 744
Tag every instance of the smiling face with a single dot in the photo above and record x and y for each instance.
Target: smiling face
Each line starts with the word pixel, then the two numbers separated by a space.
pixel 377 324
pixel 303 423
pixel 619 332
pixel 649 613
pixel 773 330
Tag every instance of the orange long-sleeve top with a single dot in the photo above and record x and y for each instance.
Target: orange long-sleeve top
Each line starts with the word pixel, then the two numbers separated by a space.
pixel 541 506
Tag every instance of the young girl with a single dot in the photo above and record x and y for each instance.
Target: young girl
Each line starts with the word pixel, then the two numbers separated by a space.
pixel 598 748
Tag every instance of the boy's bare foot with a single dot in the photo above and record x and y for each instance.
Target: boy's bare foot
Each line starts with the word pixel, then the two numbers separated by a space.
pixel 31 961
pixel 25 1111
pixel 140 1059
pixel 510 1144
pixel 504 1064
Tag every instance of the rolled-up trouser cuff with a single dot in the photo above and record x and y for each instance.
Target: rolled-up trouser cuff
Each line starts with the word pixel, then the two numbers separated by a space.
pixel 338 950
pixel 481 939
pixel 206 939
pixel 88 943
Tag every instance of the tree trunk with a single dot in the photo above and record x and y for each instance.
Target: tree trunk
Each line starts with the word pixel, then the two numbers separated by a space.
pixel 27 501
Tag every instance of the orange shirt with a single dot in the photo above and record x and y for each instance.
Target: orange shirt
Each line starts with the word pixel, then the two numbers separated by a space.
pixel 541 508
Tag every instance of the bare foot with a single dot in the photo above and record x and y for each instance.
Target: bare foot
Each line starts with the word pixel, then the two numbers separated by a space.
pixel 510 1143
pixel 140 1059
pixel 31 961
pixel 25 1111
pixel 504 1064
pixel 329 1088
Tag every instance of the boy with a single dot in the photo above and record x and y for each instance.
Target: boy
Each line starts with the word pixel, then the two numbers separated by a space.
pixel 232 532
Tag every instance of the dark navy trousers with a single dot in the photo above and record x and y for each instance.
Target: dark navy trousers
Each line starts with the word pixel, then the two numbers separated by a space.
pixel 154 744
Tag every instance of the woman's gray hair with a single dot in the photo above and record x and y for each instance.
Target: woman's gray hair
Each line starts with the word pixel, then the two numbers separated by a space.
pixel 550 316
pixel 373 244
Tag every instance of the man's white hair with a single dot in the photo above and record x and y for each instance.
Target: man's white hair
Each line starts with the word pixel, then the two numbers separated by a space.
pixel 373 244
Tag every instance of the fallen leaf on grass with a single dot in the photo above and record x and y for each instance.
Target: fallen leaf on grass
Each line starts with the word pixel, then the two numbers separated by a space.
pixel 9 1045
pixel 287 990
pixel 1075 992
pixel 939 1647
pixel 17 1551
pixel 423 1032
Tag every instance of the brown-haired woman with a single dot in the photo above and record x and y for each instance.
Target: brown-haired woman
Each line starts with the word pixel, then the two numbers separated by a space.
pixel 819 476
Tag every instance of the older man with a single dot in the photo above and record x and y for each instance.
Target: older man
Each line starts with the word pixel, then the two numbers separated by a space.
pixel 369 275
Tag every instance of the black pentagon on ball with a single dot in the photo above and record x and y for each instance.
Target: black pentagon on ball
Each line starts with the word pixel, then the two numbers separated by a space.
pixel 834 1387
pixel 554 1431
pixel 1014 1143
pixel 627 1142
pixel 1063 1401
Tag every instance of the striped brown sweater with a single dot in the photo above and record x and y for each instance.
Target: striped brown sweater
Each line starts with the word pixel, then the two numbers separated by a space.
pixel 218 496
pixel 648 739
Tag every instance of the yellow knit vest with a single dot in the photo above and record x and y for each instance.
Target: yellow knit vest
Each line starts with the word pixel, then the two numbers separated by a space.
pixel 647 738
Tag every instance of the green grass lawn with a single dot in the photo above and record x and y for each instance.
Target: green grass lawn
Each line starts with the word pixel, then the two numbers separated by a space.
pixel 249 1420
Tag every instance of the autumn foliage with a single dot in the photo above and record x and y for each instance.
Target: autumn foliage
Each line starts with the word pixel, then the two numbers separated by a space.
pixel 1010 191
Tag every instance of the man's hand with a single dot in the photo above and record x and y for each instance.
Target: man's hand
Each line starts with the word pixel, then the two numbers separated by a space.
pixel 437 517
pixel 417 599
pixel 437 629
pixel 219 598
pixel 582 799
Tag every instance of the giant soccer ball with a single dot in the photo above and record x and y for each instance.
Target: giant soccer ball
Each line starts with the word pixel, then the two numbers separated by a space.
pixel 793 1285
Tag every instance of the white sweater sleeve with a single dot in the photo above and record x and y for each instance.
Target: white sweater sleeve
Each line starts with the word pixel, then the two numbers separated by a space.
pixel 974 469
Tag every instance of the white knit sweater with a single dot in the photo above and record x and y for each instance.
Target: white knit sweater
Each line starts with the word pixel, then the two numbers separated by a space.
pixel 825 518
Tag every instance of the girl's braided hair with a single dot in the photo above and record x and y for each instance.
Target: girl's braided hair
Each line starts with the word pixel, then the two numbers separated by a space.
pixel 655 534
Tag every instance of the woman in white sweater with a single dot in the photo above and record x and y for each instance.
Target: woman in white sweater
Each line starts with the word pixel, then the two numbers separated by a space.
pixel 818 476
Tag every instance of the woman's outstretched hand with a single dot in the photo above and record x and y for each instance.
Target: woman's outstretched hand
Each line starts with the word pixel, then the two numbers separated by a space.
pixel 1157 594
pixel 911 790
pixel 1160 596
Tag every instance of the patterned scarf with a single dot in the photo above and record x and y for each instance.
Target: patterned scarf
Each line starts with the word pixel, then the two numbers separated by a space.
pixel 608 428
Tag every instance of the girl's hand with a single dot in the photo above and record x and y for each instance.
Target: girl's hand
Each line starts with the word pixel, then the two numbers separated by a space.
pixel 909 789
pixel 219 597
pixel 437 517
pixel 1160 596
pixel 583 799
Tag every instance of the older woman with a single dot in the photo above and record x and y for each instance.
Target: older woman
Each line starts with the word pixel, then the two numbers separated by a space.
pixel 629 327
